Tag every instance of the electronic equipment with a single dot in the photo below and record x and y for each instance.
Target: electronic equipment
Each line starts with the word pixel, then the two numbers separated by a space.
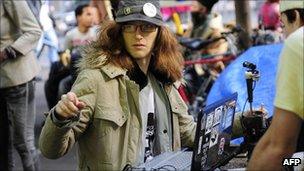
pixel 212 139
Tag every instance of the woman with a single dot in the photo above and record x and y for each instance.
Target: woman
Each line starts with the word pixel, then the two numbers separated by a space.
pixel 124 107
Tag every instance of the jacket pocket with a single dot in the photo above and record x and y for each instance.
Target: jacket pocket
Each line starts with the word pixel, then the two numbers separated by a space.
pixel 115 116
pixel 107 122
pixel 106 130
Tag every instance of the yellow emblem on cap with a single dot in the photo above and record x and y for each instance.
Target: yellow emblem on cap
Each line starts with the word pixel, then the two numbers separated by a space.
pixel 127 10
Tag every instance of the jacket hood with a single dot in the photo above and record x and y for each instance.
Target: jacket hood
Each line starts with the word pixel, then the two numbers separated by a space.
pixel 95 59
pixel 91 58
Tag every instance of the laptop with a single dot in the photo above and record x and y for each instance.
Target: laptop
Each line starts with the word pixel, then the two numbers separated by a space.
pixel 212 139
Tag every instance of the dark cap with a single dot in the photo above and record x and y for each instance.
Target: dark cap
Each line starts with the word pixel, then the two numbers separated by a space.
pixel 208 3
pixel 139 10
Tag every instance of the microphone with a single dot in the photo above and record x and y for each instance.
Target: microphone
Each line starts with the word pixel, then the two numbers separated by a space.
pixel 249 65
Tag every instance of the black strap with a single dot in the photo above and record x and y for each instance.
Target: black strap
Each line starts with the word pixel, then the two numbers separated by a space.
pixel 150 134
pixel 300 145
pixel 127 167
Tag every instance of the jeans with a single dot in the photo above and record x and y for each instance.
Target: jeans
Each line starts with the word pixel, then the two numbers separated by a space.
pixel 17 109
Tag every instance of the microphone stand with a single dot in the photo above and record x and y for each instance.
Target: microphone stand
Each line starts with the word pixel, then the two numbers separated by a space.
pixel 251 75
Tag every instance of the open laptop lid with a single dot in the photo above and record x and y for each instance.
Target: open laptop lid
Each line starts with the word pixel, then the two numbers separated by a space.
pixel 213 133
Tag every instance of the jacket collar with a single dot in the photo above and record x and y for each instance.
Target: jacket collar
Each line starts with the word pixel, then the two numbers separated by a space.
pixel 177 84
pixel 113 71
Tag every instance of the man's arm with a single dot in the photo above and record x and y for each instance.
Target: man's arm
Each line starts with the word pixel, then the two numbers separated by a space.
pixel 24 20
pixel 279 141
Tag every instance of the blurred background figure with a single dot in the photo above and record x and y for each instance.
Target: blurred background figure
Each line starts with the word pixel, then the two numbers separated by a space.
pixel 269 15
pixel 208 25
pixel 63 73
pixel 101 9
pixel 105 9
pixel 269 29
pixel 49 37
pixel 20 33
pixel 205 23
pixel 75 39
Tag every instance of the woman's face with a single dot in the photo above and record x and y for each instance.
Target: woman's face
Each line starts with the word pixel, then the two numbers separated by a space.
pixel 139 38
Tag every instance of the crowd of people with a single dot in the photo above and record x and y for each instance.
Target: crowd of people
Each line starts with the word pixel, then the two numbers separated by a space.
pixel 114 86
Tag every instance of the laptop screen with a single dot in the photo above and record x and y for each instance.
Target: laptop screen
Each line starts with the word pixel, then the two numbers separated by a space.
pixel 213 133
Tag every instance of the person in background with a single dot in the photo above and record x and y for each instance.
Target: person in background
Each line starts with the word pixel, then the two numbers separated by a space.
pixel 283 136
pixel 19 35
pixel 269 15
pixel 208 25
pixel 104 13
pixel 269 30
pixel 124 107
pixel 83 33
pixel 63 72
pixel 75 39
pixel 49 37
pixel 100 14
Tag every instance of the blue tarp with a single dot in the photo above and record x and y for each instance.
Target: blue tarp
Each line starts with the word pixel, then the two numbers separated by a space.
pixel 232 79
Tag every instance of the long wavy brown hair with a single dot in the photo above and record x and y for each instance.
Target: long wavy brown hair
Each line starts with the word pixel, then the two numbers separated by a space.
pixel 166 61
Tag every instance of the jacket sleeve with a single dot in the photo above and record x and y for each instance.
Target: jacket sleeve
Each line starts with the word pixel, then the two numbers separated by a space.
pixel 187 128
pixel 56 140
pixel 187 125
pixel 25 21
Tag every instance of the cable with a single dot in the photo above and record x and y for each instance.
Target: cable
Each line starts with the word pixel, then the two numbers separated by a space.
pixel 244 107
pixel 166 166
pixel 129 167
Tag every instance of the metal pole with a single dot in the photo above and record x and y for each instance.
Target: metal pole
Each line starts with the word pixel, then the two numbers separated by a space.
pixel 242 14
